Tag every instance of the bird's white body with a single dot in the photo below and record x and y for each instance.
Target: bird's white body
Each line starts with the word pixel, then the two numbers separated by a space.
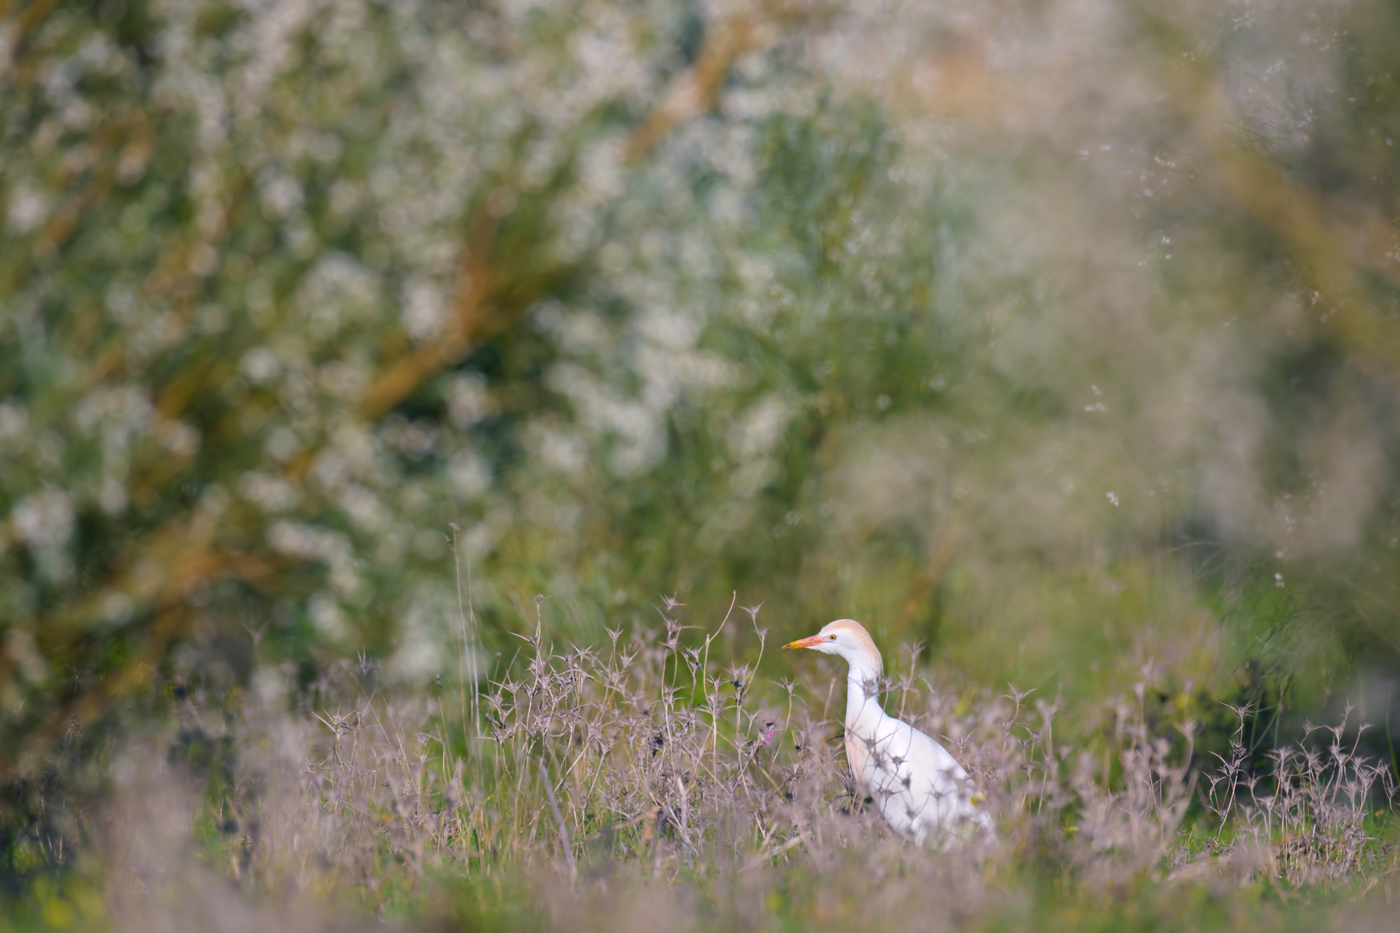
pixel 919 788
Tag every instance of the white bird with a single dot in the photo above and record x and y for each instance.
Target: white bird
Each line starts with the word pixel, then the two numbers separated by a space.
pixel 919 787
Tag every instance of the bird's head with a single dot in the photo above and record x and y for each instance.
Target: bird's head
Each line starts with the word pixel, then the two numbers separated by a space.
pixel 847 638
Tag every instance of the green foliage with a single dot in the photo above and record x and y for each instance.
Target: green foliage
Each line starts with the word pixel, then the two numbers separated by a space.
pixel 1063 343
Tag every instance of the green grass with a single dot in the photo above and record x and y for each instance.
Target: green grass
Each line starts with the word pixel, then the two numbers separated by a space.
pixel 703 796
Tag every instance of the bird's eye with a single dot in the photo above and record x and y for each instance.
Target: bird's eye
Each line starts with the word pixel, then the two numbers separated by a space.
pixel 832 637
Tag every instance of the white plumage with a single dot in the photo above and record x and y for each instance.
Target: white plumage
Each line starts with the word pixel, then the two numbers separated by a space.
pixel 918 786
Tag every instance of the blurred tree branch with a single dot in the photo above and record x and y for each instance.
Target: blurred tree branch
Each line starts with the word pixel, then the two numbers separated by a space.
pixel 697 90
pixel 32 16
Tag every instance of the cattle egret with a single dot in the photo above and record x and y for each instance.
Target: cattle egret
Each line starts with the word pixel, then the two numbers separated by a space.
pixel 920 789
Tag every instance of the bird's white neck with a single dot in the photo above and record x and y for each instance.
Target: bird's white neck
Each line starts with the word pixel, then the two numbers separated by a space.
pixel 863 710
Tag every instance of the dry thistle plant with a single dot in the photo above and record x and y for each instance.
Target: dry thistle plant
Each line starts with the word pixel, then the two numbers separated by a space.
pixel 602 772
pixel 1301 818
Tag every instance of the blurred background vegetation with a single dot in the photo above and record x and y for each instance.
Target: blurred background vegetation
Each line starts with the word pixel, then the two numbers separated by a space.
pixel 1059 336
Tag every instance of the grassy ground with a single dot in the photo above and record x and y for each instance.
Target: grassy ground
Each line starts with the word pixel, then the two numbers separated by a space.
pixel 642 783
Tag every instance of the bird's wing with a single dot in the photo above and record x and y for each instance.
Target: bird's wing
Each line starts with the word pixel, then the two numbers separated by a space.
pixel 907 759
pixel 918 782
pixel 952 799
pixel 934 760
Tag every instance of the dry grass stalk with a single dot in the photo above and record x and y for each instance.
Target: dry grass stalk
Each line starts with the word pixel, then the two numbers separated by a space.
pixel 603 772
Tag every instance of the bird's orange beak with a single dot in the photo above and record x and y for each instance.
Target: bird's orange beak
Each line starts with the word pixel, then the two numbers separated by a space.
pixel 810 641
